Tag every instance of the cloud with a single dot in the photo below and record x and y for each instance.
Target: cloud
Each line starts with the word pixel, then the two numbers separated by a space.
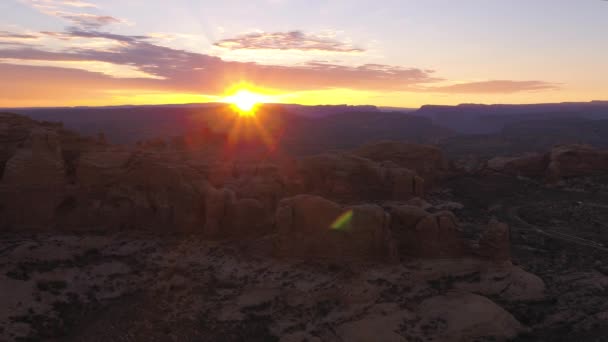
pixel 17 39
pixel 188 71
pixel 78 3
pixel 75 32
pixel 63 9
pixel 29 85
pixel 44 5
pixel 495 87
pixel 89 21
pixel 12 35
pixel 292 40
pixel 162 68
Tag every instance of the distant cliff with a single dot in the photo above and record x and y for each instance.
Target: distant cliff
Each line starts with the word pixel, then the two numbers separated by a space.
pixel 476 118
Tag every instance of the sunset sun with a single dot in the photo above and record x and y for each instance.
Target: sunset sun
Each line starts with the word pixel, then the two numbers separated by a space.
pixel 245 101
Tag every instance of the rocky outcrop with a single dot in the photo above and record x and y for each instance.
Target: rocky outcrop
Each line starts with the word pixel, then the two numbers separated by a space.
pixel 56 179
pixel 226 216
pixel 14 131
pixel 576 161
pixel 311 226
pixel 116 191
pixel 101 167
pixel 427 161
pixel 531 165
pixel 38 164
pixel 262 182
pixel 495 242
pixel 419 233
pixel 33 183
pixel 561 162
pixel 346 177
pixel 469 317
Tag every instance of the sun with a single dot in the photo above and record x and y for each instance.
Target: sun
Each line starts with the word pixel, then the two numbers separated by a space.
pixel 245 101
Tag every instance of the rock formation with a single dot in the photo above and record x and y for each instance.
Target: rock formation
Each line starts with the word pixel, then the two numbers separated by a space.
pixel 575 161
pixel 531 165
pixel 74 183
pixel 427 161
pixel 469 317
pixel 561 162
pixel 33 182
pixel 313 226
pixel 495 242
pixel 419 233
pixel 346 218
pixel 346 177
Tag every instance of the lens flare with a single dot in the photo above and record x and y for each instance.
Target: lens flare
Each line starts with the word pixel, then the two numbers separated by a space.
pixel 342 221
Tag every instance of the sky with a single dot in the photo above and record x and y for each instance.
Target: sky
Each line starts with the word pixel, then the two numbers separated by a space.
pixel 401 53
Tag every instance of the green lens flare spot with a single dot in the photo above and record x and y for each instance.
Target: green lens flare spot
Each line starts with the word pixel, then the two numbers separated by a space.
pixel 342 221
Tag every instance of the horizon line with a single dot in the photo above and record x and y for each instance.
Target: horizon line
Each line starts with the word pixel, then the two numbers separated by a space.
pixel 307 105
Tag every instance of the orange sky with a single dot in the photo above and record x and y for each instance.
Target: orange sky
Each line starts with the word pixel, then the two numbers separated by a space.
pixel 403 54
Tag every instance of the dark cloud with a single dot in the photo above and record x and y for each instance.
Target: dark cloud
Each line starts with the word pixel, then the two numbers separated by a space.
pixel 293 40
pixel 497 86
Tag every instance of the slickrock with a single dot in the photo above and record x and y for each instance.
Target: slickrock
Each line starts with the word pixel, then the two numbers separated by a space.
pixel 468 317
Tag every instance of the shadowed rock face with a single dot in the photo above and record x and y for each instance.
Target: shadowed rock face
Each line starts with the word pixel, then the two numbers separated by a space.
pixel 419 233
pixel 495 243
pixel 70 183
pixel 531 165
pixel 468 317
pixel 576 160
pixel 427 161
pixel 346 177
pixel 561 162
pixel 34 181
pixel 14 131
pixel 313 226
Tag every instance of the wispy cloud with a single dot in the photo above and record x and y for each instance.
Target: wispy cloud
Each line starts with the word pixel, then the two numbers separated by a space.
pixel 86 20
pixel 65 9
pixel 13 35
pixel 16 39
pixel 78 3
pixel 292 40
pixel 162 68
pixel 496 86
pixel 54 4
pixel 191 71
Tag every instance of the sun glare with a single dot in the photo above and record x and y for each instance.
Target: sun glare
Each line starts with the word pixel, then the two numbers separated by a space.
pixel 245 101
